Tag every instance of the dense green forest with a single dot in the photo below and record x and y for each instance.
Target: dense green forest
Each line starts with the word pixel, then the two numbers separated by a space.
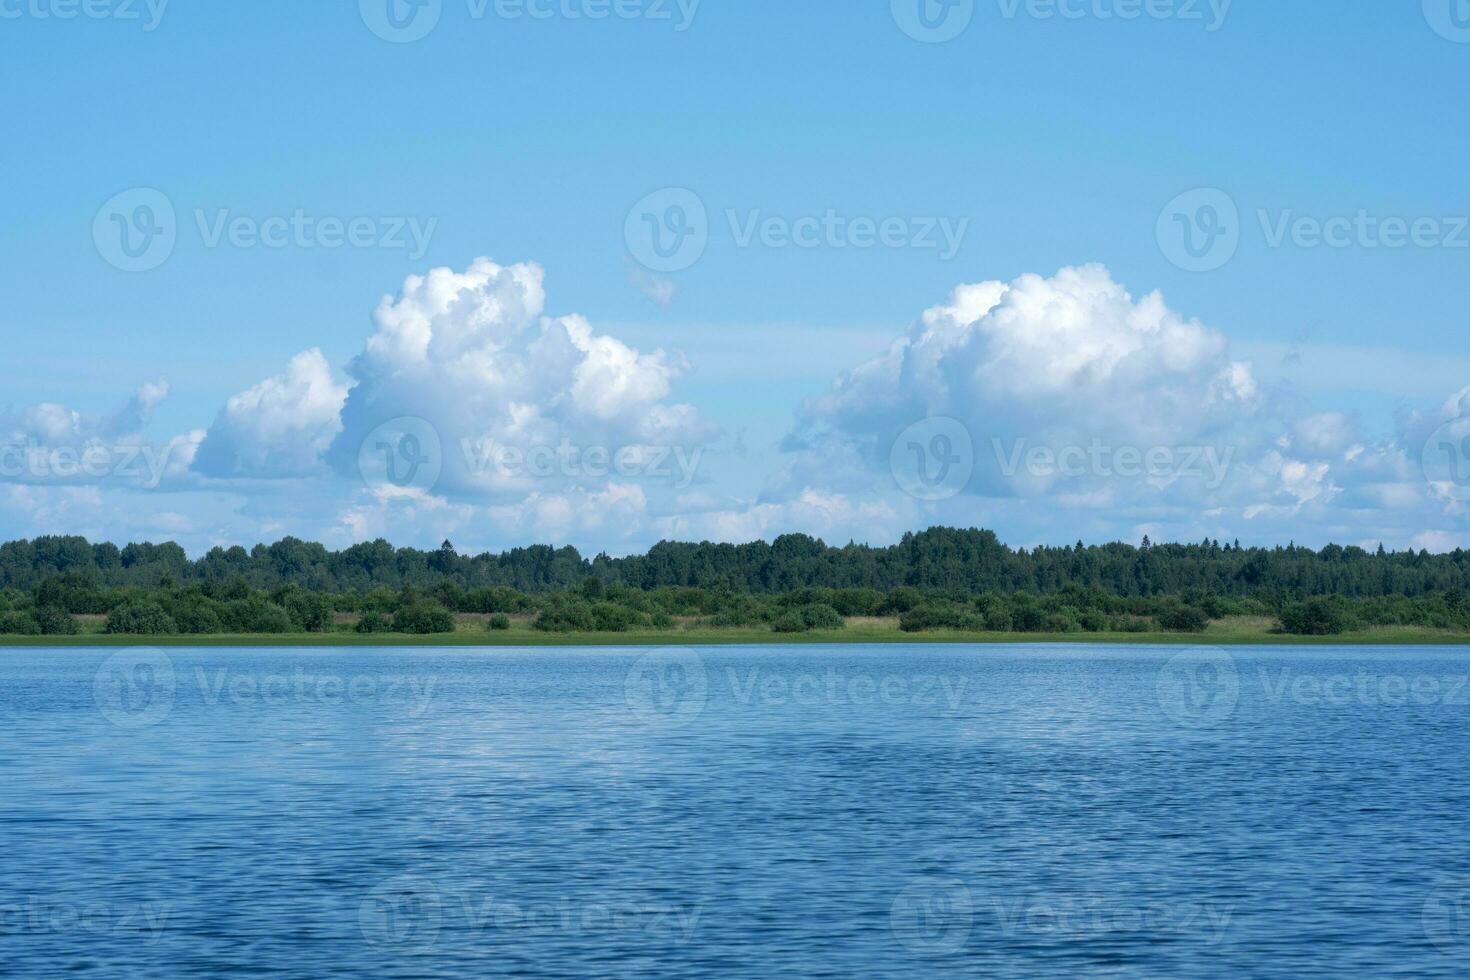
pixel 935 579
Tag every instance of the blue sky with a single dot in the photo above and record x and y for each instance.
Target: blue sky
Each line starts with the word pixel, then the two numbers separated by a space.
pixel 1054 141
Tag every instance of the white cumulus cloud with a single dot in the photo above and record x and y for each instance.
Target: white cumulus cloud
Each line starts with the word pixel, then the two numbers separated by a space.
pixel 472 354
pixel 277 428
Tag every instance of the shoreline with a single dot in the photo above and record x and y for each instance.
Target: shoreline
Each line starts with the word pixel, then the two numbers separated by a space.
pixel 1401 636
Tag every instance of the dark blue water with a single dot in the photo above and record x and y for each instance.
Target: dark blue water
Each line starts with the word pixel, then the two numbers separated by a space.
pixel 886 811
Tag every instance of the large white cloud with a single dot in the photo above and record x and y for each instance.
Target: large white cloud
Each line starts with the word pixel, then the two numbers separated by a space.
pixel 473 355
pixel 1074 364
pixel 1056 363
pixel 279 427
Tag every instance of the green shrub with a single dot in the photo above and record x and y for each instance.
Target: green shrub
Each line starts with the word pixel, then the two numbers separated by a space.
pixel 51 621
pixel 820 616
pixel 18 624
pixel 900 601
pixel 196 617
pixel 790 621
pixel 740 610
pixel 930 617
pixel 498 599
pixel 1183 619
pixel 857 602
pixel 73 592
pixel 372 622
pixel 310 612
pixel 498 621
pixel 565 616
pixel 998 620
pixel 423 617
pixel 1059 622
pixel 1316 617
pixel 255 615
pixel 1028 619
pixel 141 618
pixel 609 617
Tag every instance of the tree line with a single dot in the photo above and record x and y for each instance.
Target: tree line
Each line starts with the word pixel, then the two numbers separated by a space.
pixel 972 560
pixel 941 578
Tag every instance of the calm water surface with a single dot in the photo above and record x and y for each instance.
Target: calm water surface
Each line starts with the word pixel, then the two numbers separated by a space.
pixel 754 812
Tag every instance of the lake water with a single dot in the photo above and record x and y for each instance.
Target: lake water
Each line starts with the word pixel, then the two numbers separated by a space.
pixel 756 812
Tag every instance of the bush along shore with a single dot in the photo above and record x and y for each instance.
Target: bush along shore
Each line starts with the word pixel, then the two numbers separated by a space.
pixel 81 601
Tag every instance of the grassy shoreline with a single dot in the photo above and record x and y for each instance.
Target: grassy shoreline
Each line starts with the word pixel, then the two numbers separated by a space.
pixel 1220 633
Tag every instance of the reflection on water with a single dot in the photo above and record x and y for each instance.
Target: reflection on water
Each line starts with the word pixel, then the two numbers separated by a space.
pixel 885 811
